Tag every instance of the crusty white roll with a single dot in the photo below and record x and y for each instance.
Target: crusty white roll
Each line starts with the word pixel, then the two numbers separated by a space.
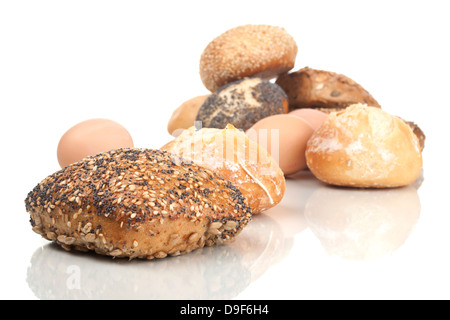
pixel 234 156
pixel 136 203
pixel 364 147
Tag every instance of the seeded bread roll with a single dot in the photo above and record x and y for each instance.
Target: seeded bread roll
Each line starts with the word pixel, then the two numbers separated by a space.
pixel 245 51
pixel 136 203
pixel 242 103
pixel 238 159
pixel 364 147
pixel 323 90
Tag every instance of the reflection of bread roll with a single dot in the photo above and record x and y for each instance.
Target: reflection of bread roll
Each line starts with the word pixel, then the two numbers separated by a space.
pixel 262 245
pixel 234 156
pixel 364 147
pixel 136 203
pixel 362 224
pixel 209 273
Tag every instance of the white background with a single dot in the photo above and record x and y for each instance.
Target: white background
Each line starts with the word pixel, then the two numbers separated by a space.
pixel 62 62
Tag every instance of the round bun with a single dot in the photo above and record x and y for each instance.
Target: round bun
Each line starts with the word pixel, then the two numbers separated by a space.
pixel 323 90
pixel 364 147
pixel 245 51
pixel 183 117
pixel 418 132
pixel 242 103
pixel 230 153
pixel 136 203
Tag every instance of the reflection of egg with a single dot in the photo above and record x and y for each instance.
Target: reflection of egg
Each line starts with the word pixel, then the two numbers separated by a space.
pixel 90 137
pixel 314 117
pixel 284 137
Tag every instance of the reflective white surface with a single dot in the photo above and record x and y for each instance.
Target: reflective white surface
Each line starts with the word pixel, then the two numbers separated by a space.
pixel 62 62
pixel 342 227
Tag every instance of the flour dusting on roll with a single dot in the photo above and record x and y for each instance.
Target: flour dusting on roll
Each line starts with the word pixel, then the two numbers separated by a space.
pixel 238 159
pixel 364 147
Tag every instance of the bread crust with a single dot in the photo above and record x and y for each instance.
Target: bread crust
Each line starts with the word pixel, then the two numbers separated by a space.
pixel 323 90
pixel 136 203
pixel 364 147
pixel 234 156
pixel 418 132
pixel 245 51
pixel 242 103
pixel 184 116
pixel 329 92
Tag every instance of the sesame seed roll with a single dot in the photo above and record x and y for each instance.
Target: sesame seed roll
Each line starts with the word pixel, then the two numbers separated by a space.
pixel 136 203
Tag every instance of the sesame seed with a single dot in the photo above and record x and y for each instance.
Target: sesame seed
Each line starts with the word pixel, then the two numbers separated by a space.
pixel 121 191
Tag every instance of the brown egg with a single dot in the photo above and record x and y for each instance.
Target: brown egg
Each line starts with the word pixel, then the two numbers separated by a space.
pixel 90 137
pixel 314 117
pixel 284 136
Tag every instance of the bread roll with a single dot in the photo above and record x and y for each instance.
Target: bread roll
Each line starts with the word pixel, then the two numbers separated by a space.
pixel 245 51
pixel 136 203
pixel 323 90
pixel 242 103
pixel 184 116
pixel 230 153
pixel 418 132
pixel 364 147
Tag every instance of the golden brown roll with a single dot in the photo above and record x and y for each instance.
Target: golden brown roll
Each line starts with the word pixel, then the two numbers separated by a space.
pixel 418 132
pixel 183 117
pixel 323 90
pixel 364 147
pixel 238 159
pixel 245 51
pixel 136 203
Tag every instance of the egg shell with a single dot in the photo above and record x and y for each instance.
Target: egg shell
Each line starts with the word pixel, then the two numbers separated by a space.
pixel 314 117
pixel 284 136
pixel 90 137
